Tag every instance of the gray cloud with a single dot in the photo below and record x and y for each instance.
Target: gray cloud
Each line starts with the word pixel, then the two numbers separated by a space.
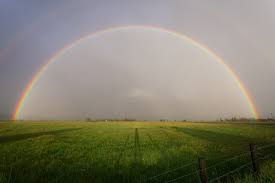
pixel 241 32
pixel 135 73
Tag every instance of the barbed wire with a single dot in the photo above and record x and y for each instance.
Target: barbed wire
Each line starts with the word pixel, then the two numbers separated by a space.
pixel 192 173
pixel 189 164
pixel 216 164
pixel 230 172
pixel 267 156
pixel 171 170
pixel 226 160
pixel 183 176
pixel 265 146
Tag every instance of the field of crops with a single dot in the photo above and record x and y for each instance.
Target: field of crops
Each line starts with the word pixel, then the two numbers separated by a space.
pixel 131 151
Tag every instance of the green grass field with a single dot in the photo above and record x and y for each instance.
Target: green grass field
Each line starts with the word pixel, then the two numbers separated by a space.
pixel 132 151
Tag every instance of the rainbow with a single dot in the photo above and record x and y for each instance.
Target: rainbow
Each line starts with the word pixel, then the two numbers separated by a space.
pixel 26 93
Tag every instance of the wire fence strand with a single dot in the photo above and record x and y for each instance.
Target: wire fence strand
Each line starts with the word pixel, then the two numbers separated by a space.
pixel 265 146
pixel 230 172
pixel 184 166
pixel 214 165
pixel 226 160
pixel 183 176
pixel 171 170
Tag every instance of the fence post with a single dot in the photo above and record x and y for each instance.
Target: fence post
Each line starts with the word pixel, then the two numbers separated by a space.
pixel 202 166
pixel 254 159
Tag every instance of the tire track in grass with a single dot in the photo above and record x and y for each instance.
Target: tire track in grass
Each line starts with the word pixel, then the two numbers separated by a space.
pixel 137 158
pixel 154 143
pixel 114 147
pixel 161 150
pixel 174 137
pixel 137 149
pixel 122 150
pixel 96 140
pixel 170 140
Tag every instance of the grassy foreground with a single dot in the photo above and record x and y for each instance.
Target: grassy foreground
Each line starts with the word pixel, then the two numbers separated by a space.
pixel 132 151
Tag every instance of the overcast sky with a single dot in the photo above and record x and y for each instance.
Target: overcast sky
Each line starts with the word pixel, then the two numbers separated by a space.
pixel 137 73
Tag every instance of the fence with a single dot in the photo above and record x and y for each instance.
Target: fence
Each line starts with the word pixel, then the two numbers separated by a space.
pixel 203 169
pixel 253 165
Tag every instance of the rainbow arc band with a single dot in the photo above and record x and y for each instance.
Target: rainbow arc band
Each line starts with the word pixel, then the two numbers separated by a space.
pixel 26 93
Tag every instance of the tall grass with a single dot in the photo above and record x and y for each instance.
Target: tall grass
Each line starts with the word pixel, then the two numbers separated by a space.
pixel 128 151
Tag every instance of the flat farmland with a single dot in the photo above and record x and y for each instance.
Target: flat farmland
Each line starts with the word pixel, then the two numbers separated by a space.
pixel 134 151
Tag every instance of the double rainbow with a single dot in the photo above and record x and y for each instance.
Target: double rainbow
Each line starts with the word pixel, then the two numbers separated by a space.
pixel 26 93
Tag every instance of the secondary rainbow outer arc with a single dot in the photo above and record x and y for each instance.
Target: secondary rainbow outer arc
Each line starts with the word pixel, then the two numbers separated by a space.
pixel 26 93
